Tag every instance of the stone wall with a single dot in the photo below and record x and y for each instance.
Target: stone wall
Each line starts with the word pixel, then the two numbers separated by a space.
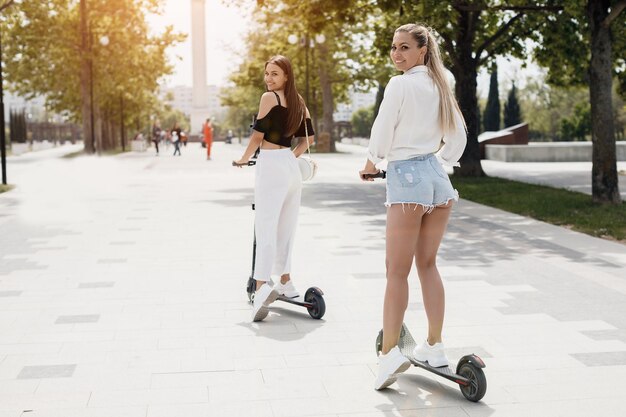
pixel 547 152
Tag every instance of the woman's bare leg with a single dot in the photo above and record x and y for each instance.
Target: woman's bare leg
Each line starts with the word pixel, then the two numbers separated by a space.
pixel 403 226
pixel 430 235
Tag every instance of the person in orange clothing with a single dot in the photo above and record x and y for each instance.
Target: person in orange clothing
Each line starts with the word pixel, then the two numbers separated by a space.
pixel 207 130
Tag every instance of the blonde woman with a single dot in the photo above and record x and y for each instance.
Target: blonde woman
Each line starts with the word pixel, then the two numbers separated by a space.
pixel 419 126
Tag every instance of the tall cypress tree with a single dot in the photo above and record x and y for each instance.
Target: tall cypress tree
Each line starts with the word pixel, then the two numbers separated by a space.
pixel 491 118
pixel 512 111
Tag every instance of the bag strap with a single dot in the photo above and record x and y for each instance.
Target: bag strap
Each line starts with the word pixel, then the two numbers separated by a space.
pixel 306 131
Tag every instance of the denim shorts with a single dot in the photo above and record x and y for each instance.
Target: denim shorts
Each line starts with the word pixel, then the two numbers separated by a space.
pixel 421 181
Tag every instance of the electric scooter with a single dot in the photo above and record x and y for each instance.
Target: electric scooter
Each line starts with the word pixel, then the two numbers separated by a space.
pixel 469 372
pixel 313 299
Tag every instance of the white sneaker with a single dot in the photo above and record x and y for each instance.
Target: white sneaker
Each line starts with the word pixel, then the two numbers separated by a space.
pixel 389 366
pixel 288 290
pixel 433 354
pixel 263 297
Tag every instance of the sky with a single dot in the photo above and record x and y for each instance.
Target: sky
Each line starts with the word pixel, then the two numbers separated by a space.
pixel 226 28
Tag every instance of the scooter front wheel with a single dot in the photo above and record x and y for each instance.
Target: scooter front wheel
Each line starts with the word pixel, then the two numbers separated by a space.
pixel 379 343
pixel 250 289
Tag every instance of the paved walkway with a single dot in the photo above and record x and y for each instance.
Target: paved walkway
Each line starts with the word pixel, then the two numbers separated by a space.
pixel 122 294
pixel 575 176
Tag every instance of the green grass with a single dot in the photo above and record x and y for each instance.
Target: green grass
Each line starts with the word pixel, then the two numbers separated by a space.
pixel 552 205
pixel 5 188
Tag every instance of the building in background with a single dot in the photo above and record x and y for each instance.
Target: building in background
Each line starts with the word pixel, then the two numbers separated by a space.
pixel 182 100
pixel 357 101
pixel 35 108
pixel 200 92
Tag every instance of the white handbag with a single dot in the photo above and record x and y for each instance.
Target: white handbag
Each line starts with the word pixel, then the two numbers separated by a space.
pixel 307 165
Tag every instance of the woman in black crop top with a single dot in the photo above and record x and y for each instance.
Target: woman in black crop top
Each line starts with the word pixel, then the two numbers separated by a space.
pixel 278 182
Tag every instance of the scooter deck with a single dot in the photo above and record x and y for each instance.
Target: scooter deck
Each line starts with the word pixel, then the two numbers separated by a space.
pixel 406 344
pixel 299 301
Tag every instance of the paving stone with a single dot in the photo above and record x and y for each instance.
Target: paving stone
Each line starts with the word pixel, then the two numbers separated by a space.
pixel 101 284
pixel 10 293
pixel 84 318
pixel 47 371
pixel 602 358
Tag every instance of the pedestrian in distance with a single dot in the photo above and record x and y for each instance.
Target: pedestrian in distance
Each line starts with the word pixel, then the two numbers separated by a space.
pixel 156 134
pixel 419 126
pixel 176 137
pixel 183 138
pixel 278 182
pixel 207 131
pixel 229 136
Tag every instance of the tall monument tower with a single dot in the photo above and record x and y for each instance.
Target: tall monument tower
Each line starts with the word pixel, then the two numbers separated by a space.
pixel 200 94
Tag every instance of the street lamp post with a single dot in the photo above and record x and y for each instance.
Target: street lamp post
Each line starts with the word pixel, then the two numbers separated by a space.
pixel 3 150
pixel 3 139
pixel 104 41
pixel 307 43
pixel 122 133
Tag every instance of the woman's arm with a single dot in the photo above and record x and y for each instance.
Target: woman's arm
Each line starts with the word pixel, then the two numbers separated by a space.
pixel 381 136
pixel 383 129
pixel 265 105
pixel 454 143
pixel 255 142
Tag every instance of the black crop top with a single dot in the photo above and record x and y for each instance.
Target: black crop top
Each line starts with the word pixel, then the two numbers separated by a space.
pixel 274 123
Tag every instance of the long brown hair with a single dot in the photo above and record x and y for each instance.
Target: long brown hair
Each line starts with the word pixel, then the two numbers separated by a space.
pixel 447 102
pixel 295 103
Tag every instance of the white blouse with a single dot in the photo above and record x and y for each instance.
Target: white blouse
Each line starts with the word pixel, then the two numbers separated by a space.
pixel 407 124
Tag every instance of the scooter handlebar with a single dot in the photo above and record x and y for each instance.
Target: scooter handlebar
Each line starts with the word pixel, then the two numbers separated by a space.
pixel 380 174
pixel 249 164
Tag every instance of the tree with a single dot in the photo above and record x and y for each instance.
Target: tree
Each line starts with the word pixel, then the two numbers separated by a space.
pixel 80 58
pixel 512 111
pixel 578 126
pixel 332 66
pixel 584 45
pixel 491 118
pixel 547 106
pixel 6 3
pixel 471 35
pixel 362 121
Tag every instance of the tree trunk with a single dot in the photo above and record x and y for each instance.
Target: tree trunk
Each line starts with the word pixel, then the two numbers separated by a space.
pixel 466 72
pixel 604 180
pixel 85 79
pixel 108 132
pixel 328 103
pixel 98 127
pixel 380 93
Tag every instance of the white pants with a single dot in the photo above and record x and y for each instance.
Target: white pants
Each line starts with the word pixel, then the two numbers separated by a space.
pixel 277 191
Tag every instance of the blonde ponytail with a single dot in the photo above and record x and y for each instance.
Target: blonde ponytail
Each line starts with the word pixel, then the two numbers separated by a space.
pixel 448 105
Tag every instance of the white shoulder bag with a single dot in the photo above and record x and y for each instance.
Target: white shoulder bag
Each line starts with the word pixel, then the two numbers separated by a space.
pixel 307 166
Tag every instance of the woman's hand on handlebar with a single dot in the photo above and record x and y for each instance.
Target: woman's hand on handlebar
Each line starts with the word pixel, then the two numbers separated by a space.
pixel 240 163
pixel 368 175
pixel 368 169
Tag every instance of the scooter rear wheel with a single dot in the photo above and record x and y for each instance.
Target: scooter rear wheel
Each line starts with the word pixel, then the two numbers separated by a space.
pixel 319 305
pixel 477 388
